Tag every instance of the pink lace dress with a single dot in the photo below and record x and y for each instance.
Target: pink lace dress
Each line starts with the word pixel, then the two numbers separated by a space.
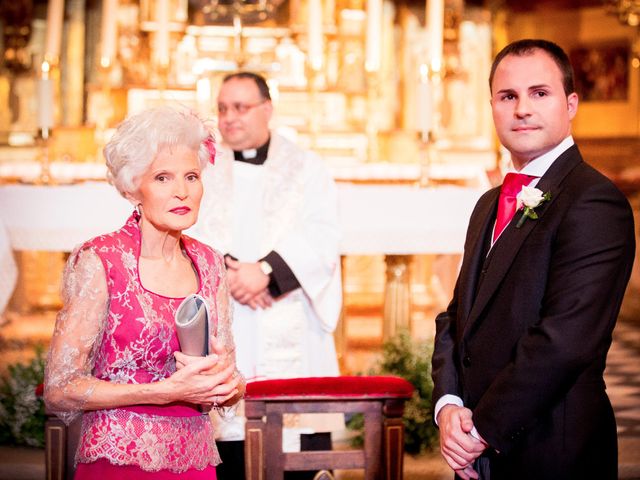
pixel 112 329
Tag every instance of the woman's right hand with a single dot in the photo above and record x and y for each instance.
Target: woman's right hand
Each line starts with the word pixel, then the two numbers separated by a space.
pixel 194 383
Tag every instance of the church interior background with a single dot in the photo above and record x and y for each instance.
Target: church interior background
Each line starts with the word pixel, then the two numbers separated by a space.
pixel 392 94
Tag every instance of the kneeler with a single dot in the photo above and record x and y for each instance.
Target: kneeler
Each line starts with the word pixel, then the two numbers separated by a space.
pixel 380 398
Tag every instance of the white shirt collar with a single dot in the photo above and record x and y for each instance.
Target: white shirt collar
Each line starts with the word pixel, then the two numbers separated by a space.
pixel 539 166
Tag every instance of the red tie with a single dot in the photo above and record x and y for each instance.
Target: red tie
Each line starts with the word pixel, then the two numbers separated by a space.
pixel 511 186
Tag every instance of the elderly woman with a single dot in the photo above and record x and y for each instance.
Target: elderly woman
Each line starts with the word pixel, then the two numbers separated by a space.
pixel 115 348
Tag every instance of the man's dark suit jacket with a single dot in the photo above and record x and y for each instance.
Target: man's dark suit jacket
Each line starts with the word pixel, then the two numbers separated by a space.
pixel 525 338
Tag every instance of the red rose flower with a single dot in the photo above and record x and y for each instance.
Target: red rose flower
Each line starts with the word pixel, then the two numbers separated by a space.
pixel 211 148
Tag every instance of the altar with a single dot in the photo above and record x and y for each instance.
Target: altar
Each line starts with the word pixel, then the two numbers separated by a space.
pixel 395 220
pixel 387 219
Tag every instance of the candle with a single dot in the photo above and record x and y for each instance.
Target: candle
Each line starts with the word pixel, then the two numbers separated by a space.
pixel 108 32
pixel 424 117
pixel 55 13
pixel 162 34
pixel 435 28
pixel 45 98
pixel 314 22
pixel 374 34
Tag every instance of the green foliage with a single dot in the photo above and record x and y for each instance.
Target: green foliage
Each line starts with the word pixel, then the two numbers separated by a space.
pixel 412 361
pixel 22 415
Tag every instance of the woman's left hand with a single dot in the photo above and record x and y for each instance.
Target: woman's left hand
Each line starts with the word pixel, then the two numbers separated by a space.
pixel 224 360
pixel 217 349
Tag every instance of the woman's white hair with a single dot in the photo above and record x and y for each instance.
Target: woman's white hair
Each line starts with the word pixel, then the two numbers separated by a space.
pixel 138 139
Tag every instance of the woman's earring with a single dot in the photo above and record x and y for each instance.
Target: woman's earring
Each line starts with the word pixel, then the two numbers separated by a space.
pixel 139 209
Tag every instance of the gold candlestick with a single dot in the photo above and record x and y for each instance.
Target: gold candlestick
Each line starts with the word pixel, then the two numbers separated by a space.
pixel 427 152
pixel 45 178
pixel 46 113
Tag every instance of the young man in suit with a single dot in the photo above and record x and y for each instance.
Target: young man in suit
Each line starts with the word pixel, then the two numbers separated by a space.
pixel 520 352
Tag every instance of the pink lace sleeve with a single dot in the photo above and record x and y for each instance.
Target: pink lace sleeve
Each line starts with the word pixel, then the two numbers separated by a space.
pixel 225 316
pixel 77 334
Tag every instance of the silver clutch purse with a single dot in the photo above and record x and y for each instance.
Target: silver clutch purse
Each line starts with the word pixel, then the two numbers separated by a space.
pixel 192 326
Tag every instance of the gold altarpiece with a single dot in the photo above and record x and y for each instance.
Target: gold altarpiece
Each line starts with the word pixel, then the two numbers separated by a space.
pixel 359 81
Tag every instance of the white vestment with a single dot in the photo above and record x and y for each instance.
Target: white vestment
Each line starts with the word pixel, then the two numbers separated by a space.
pixel 287 205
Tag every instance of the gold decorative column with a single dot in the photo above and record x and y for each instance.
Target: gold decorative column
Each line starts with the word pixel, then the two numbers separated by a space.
pixel 340 334
pixel 72 70
pixel 373 55
pixel 38 286
pixel 373 147
pixel 397 296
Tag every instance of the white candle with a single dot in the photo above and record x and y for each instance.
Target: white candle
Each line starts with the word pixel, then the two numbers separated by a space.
pixel 162 34
pixel 374 36
pixel 314 23
pixel 435 28
pixel 55 14
pixel 45 98
pixel 108 32
pixel 424 110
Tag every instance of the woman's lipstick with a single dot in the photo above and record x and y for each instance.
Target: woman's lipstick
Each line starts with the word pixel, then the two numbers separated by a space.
pixel 180 210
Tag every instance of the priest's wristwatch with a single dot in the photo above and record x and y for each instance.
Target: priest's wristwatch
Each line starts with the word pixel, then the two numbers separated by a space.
pixel 265 267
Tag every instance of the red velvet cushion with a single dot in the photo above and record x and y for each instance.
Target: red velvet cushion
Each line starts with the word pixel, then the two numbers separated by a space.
pixel 327 387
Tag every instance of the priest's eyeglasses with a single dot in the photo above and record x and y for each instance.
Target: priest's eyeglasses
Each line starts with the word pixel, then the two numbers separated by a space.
pixel 237 108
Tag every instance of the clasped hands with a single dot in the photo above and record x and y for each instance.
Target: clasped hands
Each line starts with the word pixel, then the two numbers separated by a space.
pixel 457 445
pixel 211 381
pixel 248 284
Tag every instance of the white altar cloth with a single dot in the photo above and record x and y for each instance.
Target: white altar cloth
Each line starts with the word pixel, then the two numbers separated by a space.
pixel 375 219
pixel 402 220
pixel 57 218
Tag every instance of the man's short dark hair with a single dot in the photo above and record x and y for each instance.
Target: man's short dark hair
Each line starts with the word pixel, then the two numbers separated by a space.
pixel 527 47
pixel 259 80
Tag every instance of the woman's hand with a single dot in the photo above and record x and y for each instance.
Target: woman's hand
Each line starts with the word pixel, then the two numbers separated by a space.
pixel 220 361
pixel 194 382
pixel 219 353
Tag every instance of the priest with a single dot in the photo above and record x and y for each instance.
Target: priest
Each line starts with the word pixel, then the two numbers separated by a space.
pixel 271 207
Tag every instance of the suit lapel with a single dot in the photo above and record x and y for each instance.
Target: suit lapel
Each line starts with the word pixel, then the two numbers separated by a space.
pixel 480 228
pixel 509 243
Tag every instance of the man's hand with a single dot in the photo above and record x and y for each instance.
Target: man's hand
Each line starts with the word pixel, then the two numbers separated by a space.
pixel 248 284
pixel 457 445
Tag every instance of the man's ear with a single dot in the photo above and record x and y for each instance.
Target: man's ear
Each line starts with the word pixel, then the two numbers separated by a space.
pixel 269 109
pixel 572 104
